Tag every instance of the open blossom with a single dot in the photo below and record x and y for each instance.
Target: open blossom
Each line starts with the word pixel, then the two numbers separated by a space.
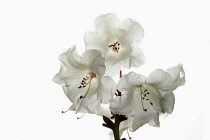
pixel 117 41
pixel 83 80
pixel 144 98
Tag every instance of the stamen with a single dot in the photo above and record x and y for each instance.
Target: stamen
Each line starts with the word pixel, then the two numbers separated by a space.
pixel 68 109
pixel 81 117
pixel 120 73
pixel 87 90
pixel 128 134
pixel 144 93
pixel 115 46
pixel 86 81
pixel 141 92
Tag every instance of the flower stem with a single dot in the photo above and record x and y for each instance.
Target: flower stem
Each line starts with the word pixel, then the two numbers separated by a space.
pixel 116 127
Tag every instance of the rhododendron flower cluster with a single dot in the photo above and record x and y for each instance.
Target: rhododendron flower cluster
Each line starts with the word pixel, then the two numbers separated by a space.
pixel 133 100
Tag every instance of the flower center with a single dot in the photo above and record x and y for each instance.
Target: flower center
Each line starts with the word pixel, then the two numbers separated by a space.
pixel 87 82
pixel 115 46
pixel 144 96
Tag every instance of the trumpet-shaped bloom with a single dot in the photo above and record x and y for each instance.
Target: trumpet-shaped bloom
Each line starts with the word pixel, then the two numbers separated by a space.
pixel 117 41
pixel 83 80
pixel 144 98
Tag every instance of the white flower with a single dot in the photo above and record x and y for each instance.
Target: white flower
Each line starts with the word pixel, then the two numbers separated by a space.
pixel 117 41
pixel 144 98
pixel 83 81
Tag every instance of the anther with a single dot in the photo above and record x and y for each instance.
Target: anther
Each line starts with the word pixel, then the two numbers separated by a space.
pixel 64 111
pixel 115 46
pixel 81 117
pixel 68 109
pixel 151 103
pixel 145 110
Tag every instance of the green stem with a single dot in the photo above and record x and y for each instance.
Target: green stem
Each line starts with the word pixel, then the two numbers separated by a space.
pixel 116 127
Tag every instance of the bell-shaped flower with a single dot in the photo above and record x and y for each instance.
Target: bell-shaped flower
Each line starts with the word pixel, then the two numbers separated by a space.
pixel 117 41
pixel 144 98
pixel 83 80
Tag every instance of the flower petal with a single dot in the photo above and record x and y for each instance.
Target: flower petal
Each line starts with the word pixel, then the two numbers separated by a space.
pixel 71 67
pixel 167 103
pixel 96 40
pixel 106 89
pixel 112 68
pixel 107 24
pixel 94 61
pixel 167 81
pixel 159 79
pixel 71 59
pixel 59 78
pixel 66 75
pixel 138 122
pixel 88 104
pixel 102 110
pixel 154 121
pixel 178 75
pixel 134 59
pixel 129 81
pixel 132 32
pixel 122 104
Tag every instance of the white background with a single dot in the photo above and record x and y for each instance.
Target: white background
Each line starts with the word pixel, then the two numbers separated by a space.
pixel 34 33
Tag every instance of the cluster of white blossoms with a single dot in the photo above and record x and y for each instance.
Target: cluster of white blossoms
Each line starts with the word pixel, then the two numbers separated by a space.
pixel 87 79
